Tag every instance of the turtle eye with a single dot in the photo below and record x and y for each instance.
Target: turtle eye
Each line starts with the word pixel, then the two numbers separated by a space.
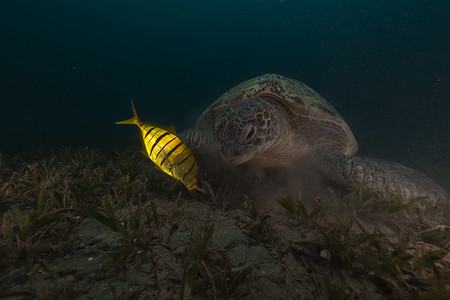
pixel 251 133
pixel 246 134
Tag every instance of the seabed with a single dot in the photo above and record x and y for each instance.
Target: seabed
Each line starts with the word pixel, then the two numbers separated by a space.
pixel 79 223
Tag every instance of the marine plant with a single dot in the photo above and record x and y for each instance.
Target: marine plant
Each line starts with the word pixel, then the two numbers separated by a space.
pixel 195 252
pixel 134 227
pixel 259 220
pixel 159 242
pixel 298 211
pixel 223 277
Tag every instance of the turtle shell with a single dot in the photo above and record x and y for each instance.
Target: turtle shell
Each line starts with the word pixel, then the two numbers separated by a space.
pixel 307 114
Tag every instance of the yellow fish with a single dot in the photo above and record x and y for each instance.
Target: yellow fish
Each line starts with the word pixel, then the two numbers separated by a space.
pixel 167 151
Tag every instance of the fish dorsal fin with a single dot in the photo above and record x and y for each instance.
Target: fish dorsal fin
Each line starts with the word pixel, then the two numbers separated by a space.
pixel 170 128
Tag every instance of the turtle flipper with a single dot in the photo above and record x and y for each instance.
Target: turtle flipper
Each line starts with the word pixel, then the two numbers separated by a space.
pixel 360 172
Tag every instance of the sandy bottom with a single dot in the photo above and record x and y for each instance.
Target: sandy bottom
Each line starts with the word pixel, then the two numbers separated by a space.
pixel 82 225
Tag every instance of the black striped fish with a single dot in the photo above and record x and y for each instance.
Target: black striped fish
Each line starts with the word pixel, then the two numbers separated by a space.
pixel 167 151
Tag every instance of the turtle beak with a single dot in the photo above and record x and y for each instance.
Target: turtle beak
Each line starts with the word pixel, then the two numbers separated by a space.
pixel 235 160
pixel 234 153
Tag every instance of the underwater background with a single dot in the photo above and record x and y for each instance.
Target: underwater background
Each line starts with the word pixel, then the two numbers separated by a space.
pixel 69 68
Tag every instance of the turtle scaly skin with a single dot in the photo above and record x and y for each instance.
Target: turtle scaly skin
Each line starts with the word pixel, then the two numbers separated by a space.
pixel 273 122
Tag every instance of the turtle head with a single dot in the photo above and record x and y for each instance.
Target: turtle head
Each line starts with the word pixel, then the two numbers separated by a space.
pixel 246 129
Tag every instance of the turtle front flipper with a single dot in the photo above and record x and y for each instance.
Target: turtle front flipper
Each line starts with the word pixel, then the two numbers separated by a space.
pixel 381 176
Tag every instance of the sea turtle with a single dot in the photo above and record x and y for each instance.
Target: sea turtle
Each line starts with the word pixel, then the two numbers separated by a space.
pixel 273 121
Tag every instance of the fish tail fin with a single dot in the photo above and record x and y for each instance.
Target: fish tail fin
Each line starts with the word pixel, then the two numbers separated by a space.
pixel 134 119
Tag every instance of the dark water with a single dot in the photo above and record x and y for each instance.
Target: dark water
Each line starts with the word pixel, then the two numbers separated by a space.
pixel 69 68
